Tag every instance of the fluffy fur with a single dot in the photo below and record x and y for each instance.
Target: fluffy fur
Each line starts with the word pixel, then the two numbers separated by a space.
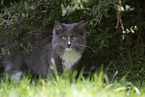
pixel 66 48
pixel 70 57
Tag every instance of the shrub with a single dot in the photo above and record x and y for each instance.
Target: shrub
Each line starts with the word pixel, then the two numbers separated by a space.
pixel 115 32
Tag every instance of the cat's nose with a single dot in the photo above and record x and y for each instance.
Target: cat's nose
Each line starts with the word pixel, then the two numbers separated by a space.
pixel 68 45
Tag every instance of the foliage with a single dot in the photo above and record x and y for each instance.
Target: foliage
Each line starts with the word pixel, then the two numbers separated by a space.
pixel 115 32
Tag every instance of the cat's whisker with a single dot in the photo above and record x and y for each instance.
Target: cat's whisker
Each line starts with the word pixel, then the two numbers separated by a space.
pixel 85 46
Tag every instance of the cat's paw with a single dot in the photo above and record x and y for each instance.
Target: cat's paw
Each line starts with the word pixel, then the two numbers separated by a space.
pixel 16 76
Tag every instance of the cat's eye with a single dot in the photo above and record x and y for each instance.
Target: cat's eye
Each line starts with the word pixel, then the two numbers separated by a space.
pixel 74 38
pixel 63 38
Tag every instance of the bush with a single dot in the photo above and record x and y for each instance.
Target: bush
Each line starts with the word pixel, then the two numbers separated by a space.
pixel 115 32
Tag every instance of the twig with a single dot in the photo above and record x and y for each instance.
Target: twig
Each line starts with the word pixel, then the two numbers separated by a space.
pixel 119 20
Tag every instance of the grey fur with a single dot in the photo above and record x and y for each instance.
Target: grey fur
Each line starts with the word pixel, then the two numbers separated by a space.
pixel 39 61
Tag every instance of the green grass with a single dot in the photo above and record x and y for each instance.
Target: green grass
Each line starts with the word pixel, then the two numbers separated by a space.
pixel 66 86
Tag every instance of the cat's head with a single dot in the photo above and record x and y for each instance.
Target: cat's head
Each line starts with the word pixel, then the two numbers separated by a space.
pixel 68 37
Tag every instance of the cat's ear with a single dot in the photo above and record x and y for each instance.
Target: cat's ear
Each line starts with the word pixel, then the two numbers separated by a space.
pixel 57 26
pixel 81 27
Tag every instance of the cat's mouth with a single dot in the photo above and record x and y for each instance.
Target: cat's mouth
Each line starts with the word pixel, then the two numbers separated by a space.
pixel 68 48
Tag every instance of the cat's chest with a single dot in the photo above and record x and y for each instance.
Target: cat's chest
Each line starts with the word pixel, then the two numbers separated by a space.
pixel 70 58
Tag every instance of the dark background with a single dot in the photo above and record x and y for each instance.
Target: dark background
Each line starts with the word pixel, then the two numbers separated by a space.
pixel 30 20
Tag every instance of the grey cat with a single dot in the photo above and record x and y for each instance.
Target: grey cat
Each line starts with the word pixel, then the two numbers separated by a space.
pixel 65 50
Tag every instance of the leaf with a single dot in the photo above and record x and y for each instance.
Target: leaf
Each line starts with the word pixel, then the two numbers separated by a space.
pixel 101 30
pixel 23 15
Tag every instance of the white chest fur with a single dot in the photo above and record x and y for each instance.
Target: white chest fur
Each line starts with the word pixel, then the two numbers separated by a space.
pixel 70 57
